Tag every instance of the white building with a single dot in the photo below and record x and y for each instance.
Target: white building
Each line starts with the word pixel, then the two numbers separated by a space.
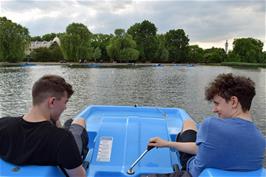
pixel 39 44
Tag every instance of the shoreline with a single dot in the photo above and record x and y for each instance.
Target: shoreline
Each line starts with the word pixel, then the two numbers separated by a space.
pixel 110 65
pixel 92 64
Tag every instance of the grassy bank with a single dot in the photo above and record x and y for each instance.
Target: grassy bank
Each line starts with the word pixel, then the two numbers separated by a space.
pixel 122 65
pixel 93 65
pixel 241 64
pixel 6 64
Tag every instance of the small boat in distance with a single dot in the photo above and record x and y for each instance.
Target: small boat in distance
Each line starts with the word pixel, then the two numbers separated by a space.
pixel 27 65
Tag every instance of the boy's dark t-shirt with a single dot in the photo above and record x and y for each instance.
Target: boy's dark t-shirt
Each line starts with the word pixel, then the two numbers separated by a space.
pixel 37 143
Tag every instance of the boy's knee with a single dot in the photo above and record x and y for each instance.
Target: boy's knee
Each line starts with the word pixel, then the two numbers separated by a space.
pixel 189 125
pixel 79 121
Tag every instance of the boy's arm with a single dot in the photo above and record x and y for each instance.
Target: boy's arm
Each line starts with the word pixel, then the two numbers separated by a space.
pixel 187 147
pixel 76 172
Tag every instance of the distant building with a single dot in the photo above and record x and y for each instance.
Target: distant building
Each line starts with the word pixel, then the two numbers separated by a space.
pixel 226 47
pixel 39 44
pixel 57 40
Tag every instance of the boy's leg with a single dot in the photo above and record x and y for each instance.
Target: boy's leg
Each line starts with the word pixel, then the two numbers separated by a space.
pixel 77 128
pixel 189 125
pixel 188 134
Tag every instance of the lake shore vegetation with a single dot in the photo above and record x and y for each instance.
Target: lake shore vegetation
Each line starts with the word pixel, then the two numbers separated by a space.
pixel 140 43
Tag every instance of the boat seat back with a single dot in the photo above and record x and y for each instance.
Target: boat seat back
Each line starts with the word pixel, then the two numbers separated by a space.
pixel 210 172
pixel 8 170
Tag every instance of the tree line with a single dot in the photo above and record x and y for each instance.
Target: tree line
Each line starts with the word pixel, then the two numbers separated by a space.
pixel 139 43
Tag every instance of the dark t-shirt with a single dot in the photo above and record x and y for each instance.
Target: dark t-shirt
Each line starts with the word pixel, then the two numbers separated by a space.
pixel 37 143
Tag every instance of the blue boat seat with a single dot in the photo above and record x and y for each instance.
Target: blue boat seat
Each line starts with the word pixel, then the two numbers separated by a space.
pixel 211 172
pixel 8 170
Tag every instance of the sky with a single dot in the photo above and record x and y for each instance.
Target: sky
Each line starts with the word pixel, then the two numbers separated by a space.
pixel 208 23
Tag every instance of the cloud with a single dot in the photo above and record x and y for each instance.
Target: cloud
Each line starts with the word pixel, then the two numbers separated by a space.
pixel 206 22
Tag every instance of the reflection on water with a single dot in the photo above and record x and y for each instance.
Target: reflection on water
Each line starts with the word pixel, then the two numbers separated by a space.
pixel 169 86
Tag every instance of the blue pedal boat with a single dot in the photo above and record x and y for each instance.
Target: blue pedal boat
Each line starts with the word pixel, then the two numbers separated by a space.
pixel 118 135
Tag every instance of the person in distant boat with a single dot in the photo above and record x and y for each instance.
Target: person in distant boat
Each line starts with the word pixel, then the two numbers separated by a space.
pixel 230 141
pixel 37 139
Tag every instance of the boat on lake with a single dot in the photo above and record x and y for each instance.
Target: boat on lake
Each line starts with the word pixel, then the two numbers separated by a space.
pixel 118 136
pixel 27 65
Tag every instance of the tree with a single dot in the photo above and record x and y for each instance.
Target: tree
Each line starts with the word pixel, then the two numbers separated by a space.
pixel 14 39
pixel 233 57
pixel 122 47
pixel 56 53
pixel 101 41
pixel 263 60
pixel 248 49
pixel 195 54
pixel 145 36
pixel 97 53
pixel 36 38
pixel 162 53
pixel 113 48
pixel 41 54
pixel 214 55
pixel 129 55
pixel 48 37
pixel 177 45
pixel 119 32
pixel 76 42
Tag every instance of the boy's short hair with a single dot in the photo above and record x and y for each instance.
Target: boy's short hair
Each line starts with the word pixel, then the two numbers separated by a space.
pixel 50 85
pixel 228 85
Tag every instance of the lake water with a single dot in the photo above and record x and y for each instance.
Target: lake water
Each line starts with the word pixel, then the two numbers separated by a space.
pixel 167 86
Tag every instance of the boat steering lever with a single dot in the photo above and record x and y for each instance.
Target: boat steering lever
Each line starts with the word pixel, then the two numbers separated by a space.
pixel 130 171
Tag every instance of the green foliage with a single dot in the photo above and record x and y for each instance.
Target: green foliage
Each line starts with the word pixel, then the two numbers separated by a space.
pixel 140 43
pixel 14 39
pixel 122 47
pixel 214 55
pixel 248 49
pixel 101 41
pixel 56 53
pixel 76 42
pixel 195 54
pixel 43 54
pixel 145 36
pixel 113 48
pixel 233 57
pixel 129 55
pixel 119 32
pixel 177 45
pixel 97 53
pixel 162 53
pixel 48 37
pixel 263 60
pixel 36 38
